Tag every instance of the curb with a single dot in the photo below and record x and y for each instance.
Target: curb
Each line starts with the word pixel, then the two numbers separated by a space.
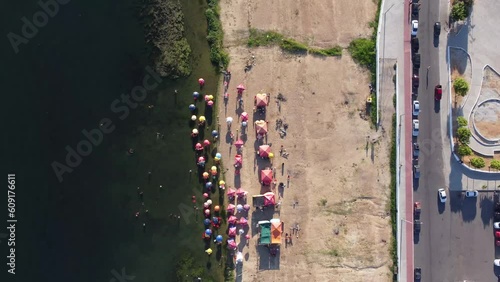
pixel 377 81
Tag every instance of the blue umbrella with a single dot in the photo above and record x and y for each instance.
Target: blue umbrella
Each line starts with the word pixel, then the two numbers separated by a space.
pixel 208 232
pixel 196 94
pixel 215 220
pixel 219 238
pixel 218 155
pixel 207 221
pixel 192 107
pixel 215 133
pixel 208 185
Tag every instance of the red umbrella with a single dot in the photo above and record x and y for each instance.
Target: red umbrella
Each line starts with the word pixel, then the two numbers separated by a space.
pixel 244 116
pixel 198 147
pixel 230 208
pixel 241 87
pixel 238 161
pixel 206 143
pixel 269 199
pixel 232 232
pixel 266 176
pixel 243 221
pixel 239 143
pixel 241 192
pixel 232 219
pixel 231 244
pixel 264 151
pixel 230 193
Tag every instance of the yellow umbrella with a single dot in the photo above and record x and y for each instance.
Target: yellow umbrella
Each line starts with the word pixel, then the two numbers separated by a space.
pixel 214 168
pixel 208 251
pixel 201 118
pixel 217 159
pixel 222 182
pixel 211 97
pixel 271 155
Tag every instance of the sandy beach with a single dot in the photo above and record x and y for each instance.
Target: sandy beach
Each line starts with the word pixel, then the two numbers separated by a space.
pixel 338 166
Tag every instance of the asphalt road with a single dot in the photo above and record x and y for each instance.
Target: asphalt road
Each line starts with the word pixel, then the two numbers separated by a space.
pixel 456 240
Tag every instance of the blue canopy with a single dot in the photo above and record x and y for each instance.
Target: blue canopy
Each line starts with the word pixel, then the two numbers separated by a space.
pixel 208 232
pixel 218 238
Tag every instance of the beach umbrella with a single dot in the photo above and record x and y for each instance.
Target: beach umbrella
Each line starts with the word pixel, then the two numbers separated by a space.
pixel 201 81
pixel 207 212
pixel 208 251
pixel 240 87
pixel 205 195
pixel 192 107
pixel 196 95
pixel 205 175
pixel 202 119
pixel 244 124
pixel 216 208
pixel 211 97
pixel 246 207
pixel 239 257
pixel 239 143
pixel 208 185
pixel 213 170
pixel 232 232
pixel 201 160
pixel 232 219
pixel 195 131
pixel 207 98
pixel 241 231
pixel 271 155
pixel 229 120
pixel 231 244
pixel 209 202
pixel 261 127
pixel 266 176
pixel 244 116
pixel 218 155
pixel 231 192
pixel 230 207
pixel 193 199
pixel 241 192
pixel 269 199
pixel 218 238
pixel 206 143
pixel 208 232
pixel 205 205
pixel 193 117
pixel 261 100
pixel 247 236
pixel 243 221
pixel 206 221
pixel 198 147
pixel 217 159
pixel 210 103
pixel 215 220
pixel 215 133
pixel 239 208
pixel 264 151
pixel 222 183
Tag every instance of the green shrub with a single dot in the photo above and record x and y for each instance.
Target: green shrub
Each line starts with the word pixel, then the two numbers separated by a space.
pixel 459 11
pixel 263 38
pixel 477 162
pixel 293 46
pixel 461 86
pixel 332 52
pixel 461 121
pixel 495 164
pixel 363 51
pixel 464 134
pixel 464 150
pixel 215 35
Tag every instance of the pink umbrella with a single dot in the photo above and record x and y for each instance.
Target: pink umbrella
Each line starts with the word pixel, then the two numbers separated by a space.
pixel 205 195
pixel 247 236
pixel 207 98
pixel 232 232
pixel 210 103
pixel 264 151
pixel 206 205
pixel 232 219
pixel 201 159
pixel 241 193
pixel 207 212
pixel 269 199
pixel 241 87
pixel 201 81
pixel 246 207
pixel 231 192
pixel 198 147
pixel 205 175
pixel 243 221
pixel 239 143
pixel 230 208
pixel 244 116
pixel 206 143
pixel 231 244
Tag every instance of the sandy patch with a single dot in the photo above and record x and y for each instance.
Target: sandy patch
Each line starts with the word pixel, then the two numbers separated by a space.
pixel 338 165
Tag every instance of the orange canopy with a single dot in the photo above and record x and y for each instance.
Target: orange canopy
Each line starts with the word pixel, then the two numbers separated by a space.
pixel 261 100
pixel 261 127
pixel 276 231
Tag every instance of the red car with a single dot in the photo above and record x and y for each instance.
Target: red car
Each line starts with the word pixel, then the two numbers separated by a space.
pixel 438 92
pixel 497 234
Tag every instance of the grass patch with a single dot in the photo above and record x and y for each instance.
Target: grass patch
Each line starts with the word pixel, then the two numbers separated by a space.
pixel 322 202
pixel 373 109
pixel 393 204
pixel 259 38
pixel 215 35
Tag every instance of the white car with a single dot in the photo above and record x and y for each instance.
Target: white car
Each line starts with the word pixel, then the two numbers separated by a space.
pixel 471 194
pixel 416 108
pixel 414 27
pixel 416 126
pixel 496 225
pixel 442 195
pixel 496 262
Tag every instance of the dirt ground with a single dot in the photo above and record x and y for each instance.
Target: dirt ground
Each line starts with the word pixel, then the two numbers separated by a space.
pixel 338 192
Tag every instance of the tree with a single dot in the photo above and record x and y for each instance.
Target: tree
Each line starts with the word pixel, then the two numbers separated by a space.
pixel 463 134
pixel 461 121
pixel 459 11
pixel 477 162
pixel 464 150
pixel 495 164
pixel 461 86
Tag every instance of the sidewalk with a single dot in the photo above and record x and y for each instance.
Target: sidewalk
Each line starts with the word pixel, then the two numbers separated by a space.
pixel 394 21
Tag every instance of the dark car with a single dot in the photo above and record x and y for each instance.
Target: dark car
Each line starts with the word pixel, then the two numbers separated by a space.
pixel 415 44
pixel 497 216
pixel 437 29
pixel 416 171
pixel 416 61
pixel 418 274
pixel 416 150
pixel 414 9
pixel 438 92
pixel 415 81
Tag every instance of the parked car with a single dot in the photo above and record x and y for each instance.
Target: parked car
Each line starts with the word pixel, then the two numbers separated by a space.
pixel 416 150
pixel 416 125
pixel 497 234
pixel 415 80
pixel 414 9
pixel 416 61
pixel 496 225
pixel 418 273
pixel 442 195
pixel 416 108
pixel 415 44
pixel 471 194
pixel 496 262
pixel 496 217
pixel 437 29
pixel 416 171
pixel 497 242
pixel 414 28
pixel 438 92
